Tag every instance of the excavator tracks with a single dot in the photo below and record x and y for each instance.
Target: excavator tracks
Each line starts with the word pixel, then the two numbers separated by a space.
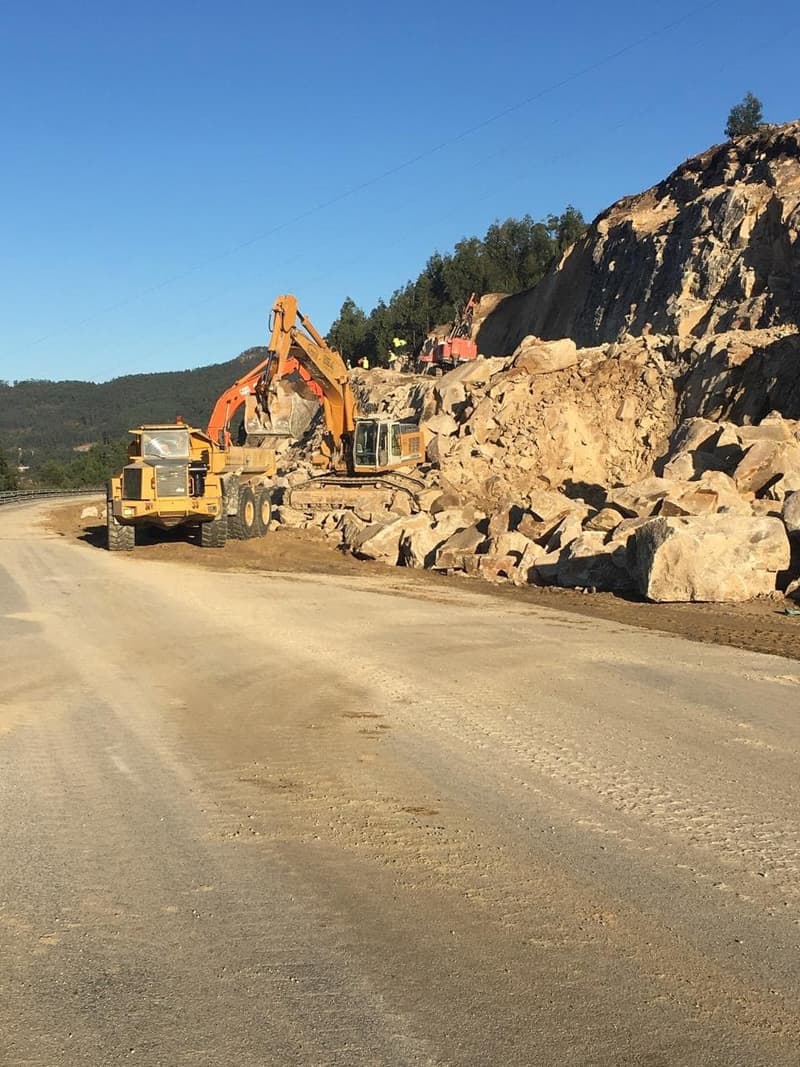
pixel 333 491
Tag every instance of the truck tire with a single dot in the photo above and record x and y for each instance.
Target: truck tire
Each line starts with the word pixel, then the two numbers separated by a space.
pixel 243 524
pixel 119 538
pixel 263 511
pixel 214 534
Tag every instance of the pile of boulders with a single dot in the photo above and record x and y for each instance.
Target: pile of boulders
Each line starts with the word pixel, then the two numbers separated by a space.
pixel 560 466
pixel 550 415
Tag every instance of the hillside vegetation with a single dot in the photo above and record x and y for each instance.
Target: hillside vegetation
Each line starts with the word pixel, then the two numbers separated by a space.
pixel 512 256
pixel 44 422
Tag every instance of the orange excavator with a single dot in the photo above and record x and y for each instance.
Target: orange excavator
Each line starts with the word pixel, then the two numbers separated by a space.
pixel 357 454
pixel 294 342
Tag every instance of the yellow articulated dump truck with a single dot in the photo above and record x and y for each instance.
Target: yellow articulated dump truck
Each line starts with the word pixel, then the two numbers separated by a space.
pixel 177 476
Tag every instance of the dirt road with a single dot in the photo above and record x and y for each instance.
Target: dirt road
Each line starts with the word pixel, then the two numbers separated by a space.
pixel 300 819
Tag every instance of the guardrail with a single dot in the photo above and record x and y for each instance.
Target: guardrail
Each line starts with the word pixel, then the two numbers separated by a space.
pixel 12 496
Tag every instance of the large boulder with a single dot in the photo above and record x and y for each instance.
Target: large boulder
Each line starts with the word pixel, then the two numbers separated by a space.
pixel 451 389
pixel 570 527
pixel 728 496
pixel 476 371
pixel 422 536
pixel 708 558
pixel 641 498
pixel 440 424
pixel 460 547
pixel 506 518
pixel 451 395
pixel 535 356
pixel 771 428
pixel 694 435
pixel 685 466
pixel 550 506
pixel 765 462
pixel 512 544
pixel 497 568
pixel 381 542
pixel 603 521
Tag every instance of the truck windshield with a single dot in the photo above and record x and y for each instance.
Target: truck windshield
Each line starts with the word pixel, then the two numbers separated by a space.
pixel 165 444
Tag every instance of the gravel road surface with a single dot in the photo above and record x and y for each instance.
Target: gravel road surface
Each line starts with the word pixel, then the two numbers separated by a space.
pixel 258 819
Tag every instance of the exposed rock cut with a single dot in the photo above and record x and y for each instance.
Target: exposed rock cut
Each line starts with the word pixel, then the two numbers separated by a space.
pixel 712 248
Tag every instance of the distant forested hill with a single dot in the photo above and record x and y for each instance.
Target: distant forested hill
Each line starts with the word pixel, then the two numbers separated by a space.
pixel 48 420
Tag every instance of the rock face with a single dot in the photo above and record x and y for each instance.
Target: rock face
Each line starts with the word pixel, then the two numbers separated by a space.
pixel 710 249
pixel 709 558
pixel 634 420
pixel 740 375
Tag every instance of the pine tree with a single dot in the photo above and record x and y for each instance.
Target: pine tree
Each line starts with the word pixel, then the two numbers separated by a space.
pixel 745 117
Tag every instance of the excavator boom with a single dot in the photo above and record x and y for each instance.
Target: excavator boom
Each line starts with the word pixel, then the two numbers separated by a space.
pixel 300 347
pixel 295 346
pixel 231 400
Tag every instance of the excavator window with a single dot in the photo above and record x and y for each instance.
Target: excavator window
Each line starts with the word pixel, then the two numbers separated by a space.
pixel 366 444
pixel 383 445
pixel 396 448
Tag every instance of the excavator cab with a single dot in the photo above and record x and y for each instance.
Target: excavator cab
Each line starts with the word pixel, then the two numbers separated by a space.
pixel 383 444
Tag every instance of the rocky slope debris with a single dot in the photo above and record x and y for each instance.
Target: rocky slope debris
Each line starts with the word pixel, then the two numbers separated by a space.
pixel 573 478
pixel 634 422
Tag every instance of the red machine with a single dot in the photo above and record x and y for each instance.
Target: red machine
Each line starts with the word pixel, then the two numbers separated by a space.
pixel 439 355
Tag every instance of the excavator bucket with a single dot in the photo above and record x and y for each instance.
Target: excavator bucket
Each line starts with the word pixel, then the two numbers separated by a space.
pixel 292 408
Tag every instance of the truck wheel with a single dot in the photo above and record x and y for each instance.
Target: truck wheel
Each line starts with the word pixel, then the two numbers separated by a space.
pixel 214 534
pixel 119 538
pixel 263 511
pixel 243 524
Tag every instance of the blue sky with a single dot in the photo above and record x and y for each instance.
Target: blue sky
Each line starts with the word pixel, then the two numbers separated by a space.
pixel 168 167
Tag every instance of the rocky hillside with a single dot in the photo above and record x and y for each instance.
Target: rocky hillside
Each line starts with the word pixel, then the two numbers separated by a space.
pixel 634 424
pixel 712 248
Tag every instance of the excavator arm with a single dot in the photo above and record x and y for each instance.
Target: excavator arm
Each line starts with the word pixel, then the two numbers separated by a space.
pixel 231 400
pixel 294 345
pixel 299 346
